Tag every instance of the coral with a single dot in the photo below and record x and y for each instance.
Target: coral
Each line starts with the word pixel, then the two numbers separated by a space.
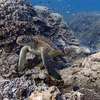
pixel 52 93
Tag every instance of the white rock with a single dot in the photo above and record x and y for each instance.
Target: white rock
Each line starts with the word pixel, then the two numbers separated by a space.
pixel 85 50
pixel 56 16
pixel 41 9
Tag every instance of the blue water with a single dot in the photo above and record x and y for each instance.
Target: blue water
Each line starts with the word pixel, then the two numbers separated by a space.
pixel 67 7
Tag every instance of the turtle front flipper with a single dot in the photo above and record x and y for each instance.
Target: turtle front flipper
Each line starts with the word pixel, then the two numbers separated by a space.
pixel 22 58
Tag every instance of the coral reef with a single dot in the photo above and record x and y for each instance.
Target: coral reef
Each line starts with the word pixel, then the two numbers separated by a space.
pixel 19 17
pixel 85 73
pixel 52 93
pixel 80 73
pixel 87 25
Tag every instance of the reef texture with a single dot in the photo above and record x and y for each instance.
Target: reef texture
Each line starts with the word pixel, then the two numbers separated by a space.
pixel 85 73
pixel 18 17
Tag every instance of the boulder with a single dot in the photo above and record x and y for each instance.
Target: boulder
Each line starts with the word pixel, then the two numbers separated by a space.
pixel 85 72
pixel 52 93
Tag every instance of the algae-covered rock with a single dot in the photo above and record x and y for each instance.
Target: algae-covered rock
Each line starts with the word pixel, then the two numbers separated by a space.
pixel 52 93
pixel 84 73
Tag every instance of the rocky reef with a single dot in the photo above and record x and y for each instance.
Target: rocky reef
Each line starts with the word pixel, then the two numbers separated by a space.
pixel 79 72
pixel 19 17
pixel 87 25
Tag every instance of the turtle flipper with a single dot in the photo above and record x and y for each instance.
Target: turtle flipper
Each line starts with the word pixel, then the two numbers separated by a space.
pixel 49 65
pixel 53 73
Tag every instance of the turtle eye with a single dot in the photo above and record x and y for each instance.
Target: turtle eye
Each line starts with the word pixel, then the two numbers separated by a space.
pixel 34 40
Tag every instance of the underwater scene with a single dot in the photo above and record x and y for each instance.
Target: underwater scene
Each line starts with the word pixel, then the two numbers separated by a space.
pixel 49 50
pixel 86 13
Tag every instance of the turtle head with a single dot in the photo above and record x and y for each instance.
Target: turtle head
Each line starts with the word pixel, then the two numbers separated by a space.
pixel 24 40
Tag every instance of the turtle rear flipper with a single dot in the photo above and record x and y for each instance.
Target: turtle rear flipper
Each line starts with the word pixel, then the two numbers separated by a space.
pixel 49 65
pixel 53 73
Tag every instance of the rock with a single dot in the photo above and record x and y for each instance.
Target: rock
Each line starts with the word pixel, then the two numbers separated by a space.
pixel 89 94
pixel 42 75
pixel 1 97
pixel 28 20
pixel 56 19
pixel 21 12
pixel 74 95
pixel 86 74
pixel 85 50
pixel 42 11
pixel 5 99
pixel 78 50
pixel 17 88
pixel 51 94
pixel 41 87
pixel 82 94
pixel 86 26
pixel 13 59
pixel 8 64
